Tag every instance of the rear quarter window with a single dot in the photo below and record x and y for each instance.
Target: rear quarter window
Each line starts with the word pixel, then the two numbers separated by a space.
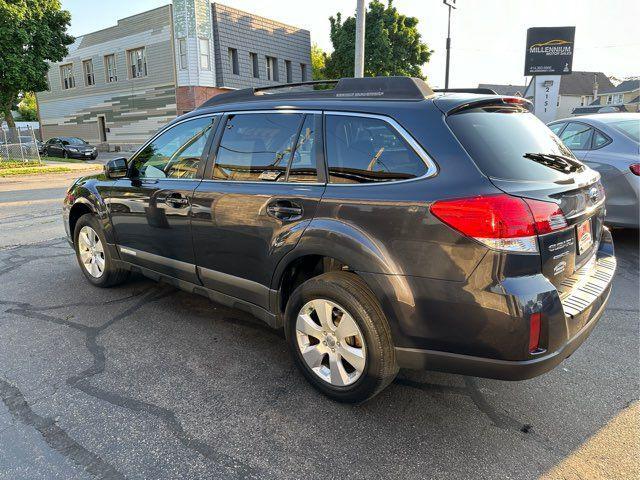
pixel 498 138
pixel 368 150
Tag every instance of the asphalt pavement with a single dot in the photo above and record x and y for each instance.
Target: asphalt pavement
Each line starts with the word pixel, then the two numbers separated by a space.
pixel 144 381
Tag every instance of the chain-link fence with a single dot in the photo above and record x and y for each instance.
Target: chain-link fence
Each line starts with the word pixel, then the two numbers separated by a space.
pixel 19 145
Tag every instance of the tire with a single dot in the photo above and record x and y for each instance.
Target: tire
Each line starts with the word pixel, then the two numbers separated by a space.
pixel 348 292
pixel 109 275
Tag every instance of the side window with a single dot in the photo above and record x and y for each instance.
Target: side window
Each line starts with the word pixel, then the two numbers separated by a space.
pixel 256 146
pixel 577 136
pixel 599 139
pixel 303 164
pixel 176 153
pixel 366 150
pixel 556 127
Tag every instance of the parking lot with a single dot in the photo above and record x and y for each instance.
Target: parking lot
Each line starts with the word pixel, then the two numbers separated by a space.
pixel 145 381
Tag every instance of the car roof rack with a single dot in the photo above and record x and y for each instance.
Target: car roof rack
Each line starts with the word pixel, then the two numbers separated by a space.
pixel 367 88
pixel 485 91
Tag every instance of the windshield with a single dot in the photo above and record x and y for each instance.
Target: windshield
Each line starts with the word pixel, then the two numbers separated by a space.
pixel 630 128
pixel 73 141
pixel 502 140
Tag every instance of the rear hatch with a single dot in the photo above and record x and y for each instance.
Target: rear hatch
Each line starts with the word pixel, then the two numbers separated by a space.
pixel 523 158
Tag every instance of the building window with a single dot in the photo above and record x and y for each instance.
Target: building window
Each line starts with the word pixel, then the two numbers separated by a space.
pixel 618 99
pixel 233 61
pixel 138 62
pixel 87 67
pixel 272 68
pixel 66 75
pixel 255 71
pixel 182 53
pixel 205 63
pixel 287 69
pixel 609 99
pixel 303 71
pixel 110 68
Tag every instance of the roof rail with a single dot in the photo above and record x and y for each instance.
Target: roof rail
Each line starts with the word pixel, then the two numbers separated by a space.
pixel 486 91
pixel 368 88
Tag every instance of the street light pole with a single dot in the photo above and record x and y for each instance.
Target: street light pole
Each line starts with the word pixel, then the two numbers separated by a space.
pixel 358 70
pixel 451 4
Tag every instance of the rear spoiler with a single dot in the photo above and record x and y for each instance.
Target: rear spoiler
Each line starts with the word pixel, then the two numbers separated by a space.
pixel 497 101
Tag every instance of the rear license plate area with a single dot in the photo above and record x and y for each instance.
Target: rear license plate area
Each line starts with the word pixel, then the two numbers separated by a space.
pixel 584 236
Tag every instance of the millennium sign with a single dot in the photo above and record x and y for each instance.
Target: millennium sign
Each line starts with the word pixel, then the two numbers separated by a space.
pixel 549 51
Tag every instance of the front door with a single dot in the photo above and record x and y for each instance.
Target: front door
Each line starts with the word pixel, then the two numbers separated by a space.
pixel 150 209
pixel 257 199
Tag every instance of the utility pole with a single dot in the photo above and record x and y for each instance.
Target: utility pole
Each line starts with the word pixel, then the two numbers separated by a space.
pixel 451 4
pixel 358 70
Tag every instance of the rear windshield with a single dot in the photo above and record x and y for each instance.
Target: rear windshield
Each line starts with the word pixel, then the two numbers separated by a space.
pixel 498 138
pixel 631 128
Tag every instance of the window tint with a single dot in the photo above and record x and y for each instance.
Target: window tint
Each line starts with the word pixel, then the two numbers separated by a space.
pixel 364 150
pixel 498 138
pixel 176 153
pixel 599 139
pixel 630 128
pixel 577 136
pixel 556 127
pixel 303 163
pixel 256 147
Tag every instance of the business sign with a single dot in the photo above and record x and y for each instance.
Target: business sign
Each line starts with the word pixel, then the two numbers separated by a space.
pixel 545 98
pixel 549 50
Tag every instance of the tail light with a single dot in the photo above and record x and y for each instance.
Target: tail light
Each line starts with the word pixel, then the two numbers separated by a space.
pixel 635 168
pixel 534 332
pixel 501 221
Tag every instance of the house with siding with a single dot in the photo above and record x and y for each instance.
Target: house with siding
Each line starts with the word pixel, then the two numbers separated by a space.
pixel 624 97
pixel 576 90
pixel 119 85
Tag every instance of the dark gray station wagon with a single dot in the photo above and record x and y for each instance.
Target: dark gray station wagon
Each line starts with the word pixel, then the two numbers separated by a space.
pixel 381 224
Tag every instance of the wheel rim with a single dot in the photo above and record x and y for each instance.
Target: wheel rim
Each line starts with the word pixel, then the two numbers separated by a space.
pixel 91 252
pixel 330 342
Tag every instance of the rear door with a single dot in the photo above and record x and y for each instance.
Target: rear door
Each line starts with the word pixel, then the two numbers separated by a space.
pixel 521 157
pixel 259 194
pixel 578 136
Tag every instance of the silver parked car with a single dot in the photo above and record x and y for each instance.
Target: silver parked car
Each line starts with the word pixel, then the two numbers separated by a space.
pixel 610 144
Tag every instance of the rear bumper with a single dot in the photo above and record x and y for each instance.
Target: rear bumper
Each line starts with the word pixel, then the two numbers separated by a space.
pixel 502 369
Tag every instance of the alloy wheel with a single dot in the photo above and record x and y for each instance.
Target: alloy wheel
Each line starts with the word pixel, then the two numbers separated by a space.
pixel 330 342
pixel 91 251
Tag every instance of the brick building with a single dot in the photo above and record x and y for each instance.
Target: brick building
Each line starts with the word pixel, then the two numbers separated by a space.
pixel 119 85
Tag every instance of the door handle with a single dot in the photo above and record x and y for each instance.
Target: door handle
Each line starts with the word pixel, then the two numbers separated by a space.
pixel 284 210
pixel 175 200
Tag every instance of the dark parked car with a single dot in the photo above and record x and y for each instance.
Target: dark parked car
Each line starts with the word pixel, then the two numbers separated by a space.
pixel 70 147
pixel 610 144
pixel 382 225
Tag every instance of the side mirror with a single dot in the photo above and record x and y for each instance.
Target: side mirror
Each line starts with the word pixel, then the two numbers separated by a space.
pixel 116 168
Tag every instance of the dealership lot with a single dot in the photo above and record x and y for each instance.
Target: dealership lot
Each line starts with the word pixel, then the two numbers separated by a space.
pixel 144 381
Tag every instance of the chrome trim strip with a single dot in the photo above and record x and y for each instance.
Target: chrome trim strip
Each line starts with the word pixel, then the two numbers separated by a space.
pixel 275 110
pixel 158 259
pixel 588 210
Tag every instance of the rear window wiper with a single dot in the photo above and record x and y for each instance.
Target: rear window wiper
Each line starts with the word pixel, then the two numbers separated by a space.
pixel 558 162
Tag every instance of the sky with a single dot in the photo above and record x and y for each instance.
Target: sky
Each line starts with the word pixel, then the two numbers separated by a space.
pixel 488 36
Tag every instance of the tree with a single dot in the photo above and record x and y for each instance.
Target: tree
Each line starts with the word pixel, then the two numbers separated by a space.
pixel 393 45
pixel 32 32
pixel 27 108
pixel 318 60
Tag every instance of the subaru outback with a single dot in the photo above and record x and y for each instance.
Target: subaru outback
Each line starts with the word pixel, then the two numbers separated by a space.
pixel 380 224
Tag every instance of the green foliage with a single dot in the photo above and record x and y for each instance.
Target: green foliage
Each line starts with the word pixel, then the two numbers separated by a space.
pixel 32 32
pixel 41 170
pixel 27 108
pixel 393 45
pixel 318 60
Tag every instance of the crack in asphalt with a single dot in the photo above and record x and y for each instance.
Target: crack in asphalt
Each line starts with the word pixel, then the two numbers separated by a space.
pixel 499 419
pixel 54 435
pixel 97 351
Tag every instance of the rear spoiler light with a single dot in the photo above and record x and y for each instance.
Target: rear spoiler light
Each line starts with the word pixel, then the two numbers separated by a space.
pixel 496 101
